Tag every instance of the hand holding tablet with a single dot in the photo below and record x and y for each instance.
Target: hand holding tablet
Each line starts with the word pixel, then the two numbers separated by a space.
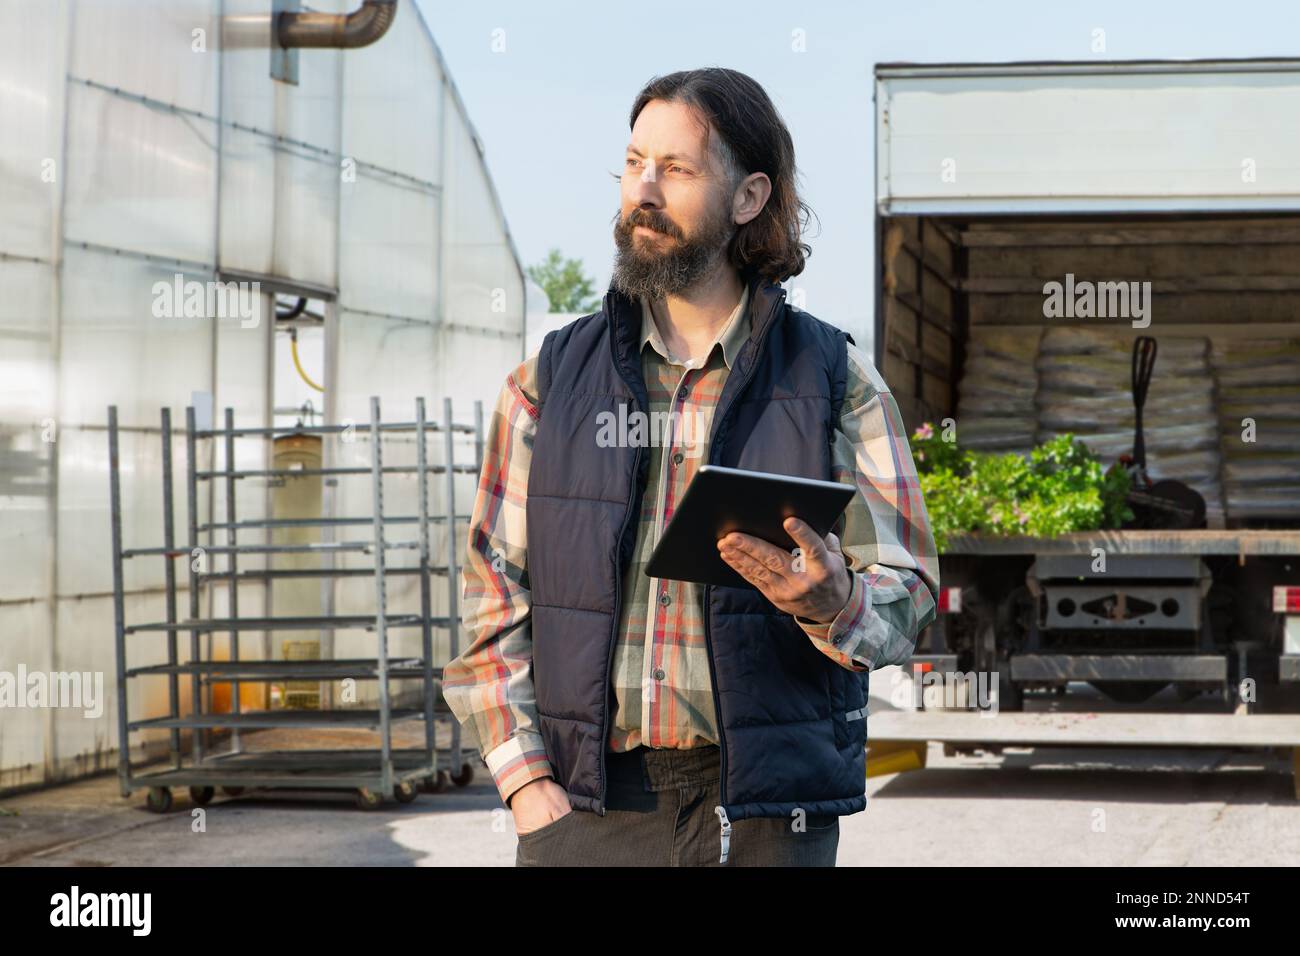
pixel 720 501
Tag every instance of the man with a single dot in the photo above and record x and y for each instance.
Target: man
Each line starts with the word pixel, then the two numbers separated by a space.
pixel 631 720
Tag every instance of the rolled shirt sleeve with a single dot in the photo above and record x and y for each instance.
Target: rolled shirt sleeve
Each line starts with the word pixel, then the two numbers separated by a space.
pixel 489 686
pixel 884 532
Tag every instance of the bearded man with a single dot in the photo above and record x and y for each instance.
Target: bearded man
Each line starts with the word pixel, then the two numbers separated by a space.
pixel 629 720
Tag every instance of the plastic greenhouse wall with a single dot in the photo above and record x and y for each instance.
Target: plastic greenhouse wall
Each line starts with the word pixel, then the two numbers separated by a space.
pixel 146 138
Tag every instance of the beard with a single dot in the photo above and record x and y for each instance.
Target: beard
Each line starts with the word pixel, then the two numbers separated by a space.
pixel 659 267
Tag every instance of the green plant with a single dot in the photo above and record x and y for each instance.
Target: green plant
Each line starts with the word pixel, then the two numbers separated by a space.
pixel 1061 487
pixel 567 288
pixel 937 450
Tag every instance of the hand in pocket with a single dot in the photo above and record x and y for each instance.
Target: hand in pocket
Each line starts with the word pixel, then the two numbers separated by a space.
pixel 538 804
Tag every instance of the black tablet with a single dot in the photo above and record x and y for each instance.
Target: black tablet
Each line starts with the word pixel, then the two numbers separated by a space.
pixel 721 500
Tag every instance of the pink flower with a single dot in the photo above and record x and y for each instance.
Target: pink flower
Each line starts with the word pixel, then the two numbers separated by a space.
pixel 925 431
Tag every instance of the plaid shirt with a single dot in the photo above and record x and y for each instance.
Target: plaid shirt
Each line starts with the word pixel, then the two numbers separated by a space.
pixel 661 680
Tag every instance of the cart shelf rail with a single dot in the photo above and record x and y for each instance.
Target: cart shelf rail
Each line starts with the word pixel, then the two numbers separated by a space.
pixel 371 772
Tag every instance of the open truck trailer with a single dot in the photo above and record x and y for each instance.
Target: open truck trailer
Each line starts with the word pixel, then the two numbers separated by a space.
pixel 992 183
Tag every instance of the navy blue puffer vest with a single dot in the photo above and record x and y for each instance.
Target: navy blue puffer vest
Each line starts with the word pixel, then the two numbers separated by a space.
pixel 791 721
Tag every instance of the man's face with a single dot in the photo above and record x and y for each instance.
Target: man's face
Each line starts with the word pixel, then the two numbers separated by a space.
pixel 675 218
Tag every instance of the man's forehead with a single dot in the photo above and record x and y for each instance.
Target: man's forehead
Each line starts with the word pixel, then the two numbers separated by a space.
pixel 670 131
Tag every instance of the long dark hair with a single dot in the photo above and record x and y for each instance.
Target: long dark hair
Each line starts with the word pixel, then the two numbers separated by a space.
pixel 754 139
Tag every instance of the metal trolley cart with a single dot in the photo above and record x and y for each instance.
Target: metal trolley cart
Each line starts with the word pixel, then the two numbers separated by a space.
pixel 372 772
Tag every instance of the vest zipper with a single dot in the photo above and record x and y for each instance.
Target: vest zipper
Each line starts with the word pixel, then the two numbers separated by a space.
pixel 609 307
pixel 721 809
pixel 726 833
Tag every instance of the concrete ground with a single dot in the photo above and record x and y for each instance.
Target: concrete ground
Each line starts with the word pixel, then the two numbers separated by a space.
pixel 1036 807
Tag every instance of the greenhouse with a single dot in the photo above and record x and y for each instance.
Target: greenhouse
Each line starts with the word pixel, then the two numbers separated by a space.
pixel 197 219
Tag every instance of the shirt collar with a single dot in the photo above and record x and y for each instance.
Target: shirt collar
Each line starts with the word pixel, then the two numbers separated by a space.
pixel 731 337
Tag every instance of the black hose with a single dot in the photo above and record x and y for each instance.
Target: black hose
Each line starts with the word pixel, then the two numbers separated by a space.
pixel 294 312
pixel 1144 363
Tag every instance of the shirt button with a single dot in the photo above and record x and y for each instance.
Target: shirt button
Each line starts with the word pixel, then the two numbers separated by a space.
pixel 682 392
pixel 659 673
pixel 664 599
pixel 678 458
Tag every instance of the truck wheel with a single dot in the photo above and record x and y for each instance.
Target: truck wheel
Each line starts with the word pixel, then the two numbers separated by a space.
pixel 1230 696
pixel 1009 631
pixel 1129 691
pixel 1010 697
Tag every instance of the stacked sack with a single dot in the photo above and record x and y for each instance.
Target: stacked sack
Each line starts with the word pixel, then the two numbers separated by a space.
pixel 995 399
pixel 1259 380
pixel 1085 387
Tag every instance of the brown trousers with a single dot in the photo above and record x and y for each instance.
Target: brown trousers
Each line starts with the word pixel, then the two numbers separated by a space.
pixel 659 812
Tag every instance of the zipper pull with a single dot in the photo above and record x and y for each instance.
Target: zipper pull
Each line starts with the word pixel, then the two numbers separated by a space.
pixel 726 833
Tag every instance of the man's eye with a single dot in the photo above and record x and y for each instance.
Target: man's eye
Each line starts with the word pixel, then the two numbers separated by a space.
pixel 631 161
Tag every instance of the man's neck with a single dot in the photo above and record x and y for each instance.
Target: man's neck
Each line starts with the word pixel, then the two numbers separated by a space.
pixel 689 322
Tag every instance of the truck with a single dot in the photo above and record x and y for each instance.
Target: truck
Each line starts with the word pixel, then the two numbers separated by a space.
pixel 1032 221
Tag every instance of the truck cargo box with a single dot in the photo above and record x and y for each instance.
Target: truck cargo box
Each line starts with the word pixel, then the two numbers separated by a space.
pixel 1034 219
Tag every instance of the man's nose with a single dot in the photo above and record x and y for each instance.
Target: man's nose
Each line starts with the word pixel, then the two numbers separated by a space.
pixel 645 191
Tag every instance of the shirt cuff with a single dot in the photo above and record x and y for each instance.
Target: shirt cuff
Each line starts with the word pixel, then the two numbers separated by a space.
pixel 520 760
pixel 827 637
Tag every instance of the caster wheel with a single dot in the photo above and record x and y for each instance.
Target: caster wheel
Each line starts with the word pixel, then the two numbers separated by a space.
pixel 463 778
pixel 368 799
pixel 437 783
pixel 405 792
pixel 202 796
pixel 159 799
pixel 232 791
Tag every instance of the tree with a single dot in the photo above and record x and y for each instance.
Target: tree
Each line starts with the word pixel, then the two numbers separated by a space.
pixel 566 287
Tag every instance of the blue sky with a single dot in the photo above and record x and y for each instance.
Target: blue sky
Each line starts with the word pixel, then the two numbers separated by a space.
pixel 552 107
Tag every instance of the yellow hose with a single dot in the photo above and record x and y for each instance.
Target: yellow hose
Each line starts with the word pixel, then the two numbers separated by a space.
pixel 293 347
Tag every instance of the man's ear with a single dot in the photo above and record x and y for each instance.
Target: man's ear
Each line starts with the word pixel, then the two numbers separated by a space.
pixel 750 197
